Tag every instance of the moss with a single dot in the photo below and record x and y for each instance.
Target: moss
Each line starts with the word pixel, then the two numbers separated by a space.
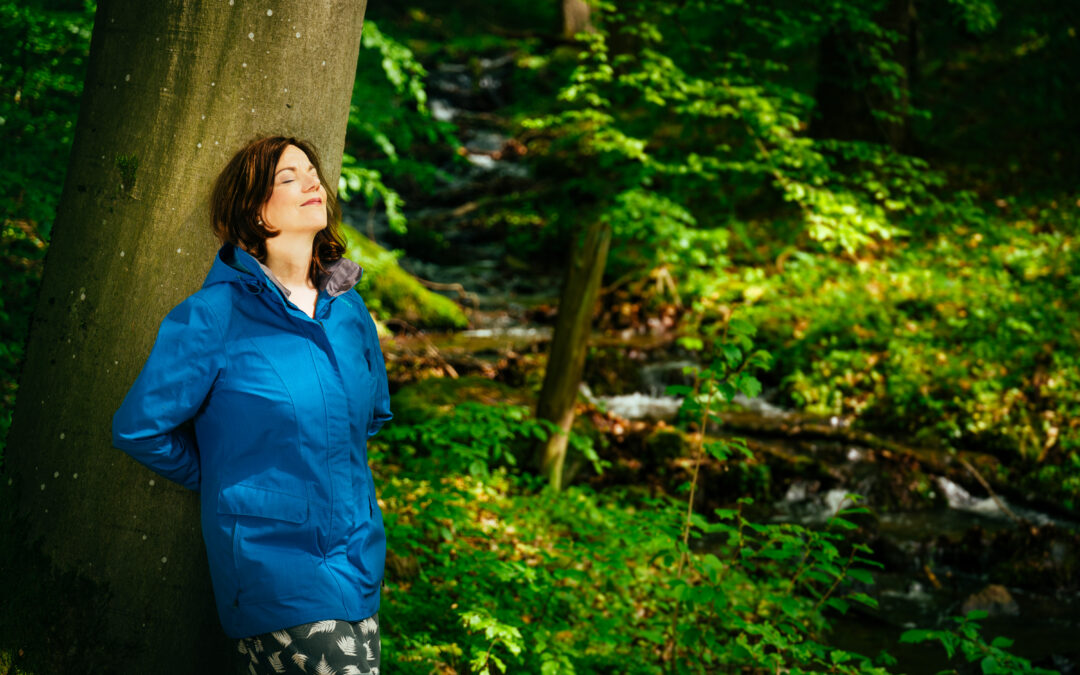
pixel 391 291
pixel 417 402
pixel 666 444
pixel 128 166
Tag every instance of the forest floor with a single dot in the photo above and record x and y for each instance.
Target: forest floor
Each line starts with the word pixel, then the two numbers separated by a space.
pixel 909 376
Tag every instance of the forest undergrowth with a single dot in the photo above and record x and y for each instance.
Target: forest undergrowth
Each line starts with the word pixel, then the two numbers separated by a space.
pixel 491 571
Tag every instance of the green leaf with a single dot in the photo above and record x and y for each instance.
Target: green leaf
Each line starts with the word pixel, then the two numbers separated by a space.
pixel 839 656
pixel 718 450
pixel 917 635
pixel 739 326
pixel 863 598
pixel 1001 642
pixel 853 509
pixel 749 385
pixel 838 604
pixel 691 343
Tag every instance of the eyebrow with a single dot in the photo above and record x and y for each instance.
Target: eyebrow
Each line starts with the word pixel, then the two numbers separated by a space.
pixel 291 168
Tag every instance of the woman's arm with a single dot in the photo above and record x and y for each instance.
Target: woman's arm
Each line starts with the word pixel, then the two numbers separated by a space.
pixel 381 400
pixel 150 424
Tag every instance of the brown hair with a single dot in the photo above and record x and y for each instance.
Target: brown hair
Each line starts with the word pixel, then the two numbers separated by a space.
pixel 246 183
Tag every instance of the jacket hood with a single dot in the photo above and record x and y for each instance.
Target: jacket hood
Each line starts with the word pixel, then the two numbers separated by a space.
pixel 235 265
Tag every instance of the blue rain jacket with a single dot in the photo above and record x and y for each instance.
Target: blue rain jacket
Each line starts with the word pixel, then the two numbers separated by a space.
pixel 266 412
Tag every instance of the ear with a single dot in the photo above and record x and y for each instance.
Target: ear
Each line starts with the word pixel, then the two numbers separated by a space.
pixel 265 222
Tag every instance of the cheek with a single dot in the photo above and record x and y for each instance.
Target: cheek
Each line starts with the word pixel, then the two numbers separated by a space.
pixel 278 199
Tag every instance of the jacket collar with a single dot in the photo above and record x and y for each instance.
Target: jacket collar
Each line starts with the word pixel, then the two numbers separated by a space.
pixel 339 277
pixel 232 264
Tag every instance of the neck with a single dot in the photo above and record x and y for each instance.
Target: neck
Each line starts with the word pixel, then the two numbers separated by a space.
pixel 289 258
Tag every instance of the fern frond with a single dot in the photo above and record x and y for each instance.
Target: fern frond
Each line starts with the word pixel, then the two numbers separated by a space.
pixel 323 668
pixel 322 627
pixel 347 645
pixel 368 626
pixel 283 637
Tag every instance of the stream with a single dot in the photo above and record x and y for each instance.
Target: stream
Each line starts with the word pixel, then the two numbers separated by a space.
pixel 945 543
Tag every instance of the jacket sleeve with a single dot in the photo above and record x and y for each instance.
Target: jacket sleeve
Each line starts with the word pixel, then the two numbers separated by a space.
pixel 381 399
pixel 151 424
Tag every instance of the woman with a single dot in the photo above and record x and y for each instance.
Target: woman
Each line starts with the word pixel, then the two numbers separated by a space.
pixel 260 393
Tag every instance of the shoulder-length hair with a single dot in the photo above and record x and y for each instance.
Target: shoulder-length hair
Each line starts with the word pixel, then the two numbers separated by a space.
pixel 245 185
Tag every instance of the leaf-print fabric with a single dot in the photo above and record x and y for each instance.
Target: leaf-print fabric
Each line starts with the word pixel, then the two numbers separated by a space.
pixel 330 647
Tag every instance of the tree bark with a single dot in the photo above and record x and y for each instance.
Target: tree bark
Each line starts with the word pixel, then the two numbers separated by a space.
pixel 173 88
pixel 574 16
pixel 566 358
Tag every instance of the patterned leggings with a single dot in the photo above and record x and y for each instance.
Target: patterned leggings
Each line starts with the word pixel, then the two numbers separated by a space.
pixel 332 646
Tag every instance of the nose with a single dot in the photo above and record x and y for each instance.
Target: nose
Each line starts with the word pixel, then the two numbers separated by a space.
pixel 313 183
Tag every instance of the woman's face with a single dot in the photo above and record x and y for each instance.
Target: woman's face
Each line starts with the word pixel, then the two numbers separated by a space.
pixel 298 200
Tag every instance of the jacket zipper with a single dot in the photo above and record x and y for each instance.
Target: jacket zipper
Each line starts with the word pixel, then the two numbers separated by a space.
pixel 329 468
pixel 325 307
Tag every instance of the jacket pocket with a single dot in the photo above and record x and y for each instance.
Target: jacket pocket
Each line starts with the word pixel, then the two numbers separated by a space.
pixel 271 542
pixel 368 551
pixel 251 500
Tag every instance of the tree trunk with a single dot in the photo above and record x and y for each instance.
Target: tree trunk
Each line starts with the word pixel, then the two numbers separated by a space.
pixel 574 15
pixel 566 358
pixel 173 88
pixel 844 94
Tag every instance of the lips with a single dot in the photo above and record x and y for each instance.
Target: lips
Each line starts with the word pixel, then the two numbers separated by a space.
pixel 316 200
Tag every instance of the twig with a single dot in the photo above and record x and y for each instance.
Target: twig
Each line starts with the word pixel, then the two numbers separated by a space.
pixel 800 570
pixel 671 650
pixel 993 495
pixel 429 346
pixel 693 483
pixel 438 286
pixel 487 654
pixel 836 582
pixel 618 282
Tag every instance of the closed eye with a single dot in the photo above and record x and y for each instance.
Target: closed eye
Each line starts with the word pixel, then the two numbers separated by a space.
pixel 310 169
